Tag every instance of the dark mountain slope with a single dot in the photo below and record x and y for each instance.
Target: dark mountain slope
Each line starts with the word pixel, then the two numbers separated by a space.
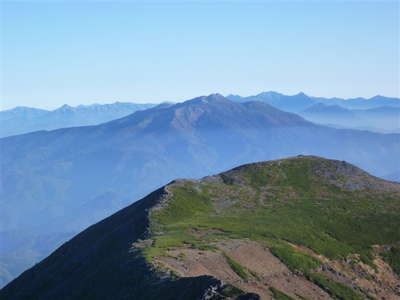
pixel 303 227
pixel 58 182
pixel 99 264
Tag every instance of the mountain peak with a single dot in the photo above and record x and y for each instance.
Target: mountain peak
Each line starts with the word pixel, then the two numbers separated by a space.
pixel 210 99
pixel 212 111
pixel 337 172
pixel 65 108
pixel 301 94
pixel 384 98
pixel 270 93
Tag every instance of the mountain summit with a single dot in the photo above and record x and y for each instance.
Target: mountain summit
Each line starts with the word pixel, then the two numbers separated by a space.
pixel 297 228
pixel 213 111
pixel 211 98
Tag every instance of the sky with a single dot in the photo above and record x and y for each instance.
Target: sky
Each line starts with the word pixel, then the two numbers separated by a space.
pixel 82 52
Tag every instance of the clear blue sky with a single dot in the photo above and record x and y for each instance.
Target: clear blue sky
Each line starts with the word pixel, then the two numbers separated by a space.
pixel 81 52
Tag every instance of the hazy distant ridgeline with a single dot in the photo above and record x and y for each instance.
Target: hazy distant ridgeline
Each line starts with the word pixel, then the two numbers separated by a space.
pixel 385 119
pixel 379 114
pixel 58 182
pixel 301 101
pixel 26 119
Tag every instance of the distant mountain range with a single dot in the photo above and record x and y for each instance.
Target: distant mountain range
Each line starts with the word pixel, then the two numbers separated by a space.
pixel 381 119
pixel 380 114
pixel 57 182
pixel 21 119
pixel 299 102
pixel 297 228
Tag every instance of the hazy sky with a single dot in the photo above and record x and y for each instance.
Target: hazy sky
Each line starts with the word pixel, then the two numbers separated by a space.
pixel 81 52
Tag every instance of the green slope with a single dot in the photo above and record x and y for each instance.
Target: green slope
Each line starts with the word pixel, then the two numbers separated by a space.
pixel 334 214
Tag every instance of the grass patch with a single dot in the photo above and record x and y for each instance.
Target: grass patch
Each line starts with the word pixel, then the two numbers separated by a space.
pixel 392 257
pixel 254 274
pixel 295 260
pixel 241 271
pixel 279 295
pixel 302 297
pixel 333 288
pixel 204 247
pixel 229 290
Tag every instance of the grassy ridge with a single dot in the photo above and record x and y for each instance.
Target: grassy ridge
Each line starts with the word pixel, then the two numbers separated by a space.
pixel 294 260
pixel 297 261
pixel 335 289
pixel 334 230
pixel 278 203
pixel 237 268
pixel 279 295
